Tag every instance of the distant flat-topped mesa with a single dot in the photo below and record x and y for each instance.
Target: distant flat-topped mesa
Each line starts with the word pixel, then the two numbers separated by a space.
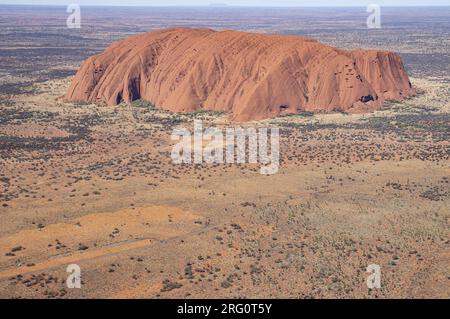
pixel 250 76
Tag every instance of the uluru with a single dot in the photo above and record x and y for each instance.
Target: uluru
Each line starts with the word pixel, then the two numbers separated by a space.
pixel 249 76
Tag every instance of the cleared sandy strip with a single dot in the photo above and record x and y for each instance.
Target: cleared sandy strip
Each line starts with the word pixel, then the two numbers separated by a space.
pixel 103 233
pixel 76 257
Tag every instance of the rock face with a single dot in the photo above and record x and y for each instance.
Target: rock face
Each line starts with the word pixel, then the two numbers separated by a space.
pixel 251 76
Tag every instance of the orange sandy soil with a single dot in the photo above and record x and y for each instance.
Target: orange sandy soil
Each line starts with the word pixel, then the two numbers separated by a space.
pixel 95 186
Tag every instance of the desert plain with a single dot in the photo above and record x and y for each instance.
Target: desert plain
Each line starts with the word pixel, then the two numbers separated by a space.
pixel 95 185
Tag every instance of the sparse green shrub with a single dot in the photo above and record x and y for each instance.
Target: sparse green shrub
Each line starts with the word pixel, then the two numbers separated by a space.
pixel 142 104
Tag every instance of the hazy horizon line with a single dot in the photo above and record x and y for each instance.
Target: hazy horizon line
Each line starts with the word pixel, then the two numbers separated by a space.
pixel 218 6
